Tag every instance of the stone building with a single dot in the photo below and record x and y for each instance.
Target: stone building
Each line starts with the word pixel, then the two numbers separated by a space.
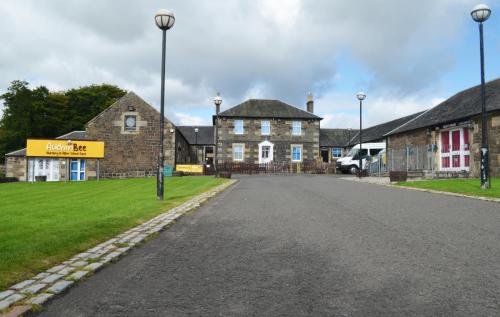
pixel 262 131
pixel 201 143
pixel 451 132
pixel 130 130
pixel 335 143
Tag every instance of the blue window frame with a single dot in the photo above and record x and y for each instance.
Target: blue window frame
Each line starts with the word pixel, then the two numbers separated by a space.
pixel 296 153
pixel 77 170
pixel 337 152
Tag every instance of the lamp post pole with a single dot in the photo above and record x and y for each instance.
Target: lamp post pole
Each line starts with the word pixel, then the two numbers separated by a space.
pixel 217 102
pixel 164 20
pixel 361 96
pixel 481 13
pixel 196 141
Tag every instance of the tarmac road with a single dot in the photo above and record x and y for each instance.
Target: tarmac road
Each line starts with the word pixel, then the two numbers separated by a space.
pixel 308 246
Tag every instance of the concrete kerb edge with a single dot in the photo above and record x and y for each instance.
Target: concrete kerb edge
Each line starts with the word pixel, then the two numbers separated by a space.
pixel 105 253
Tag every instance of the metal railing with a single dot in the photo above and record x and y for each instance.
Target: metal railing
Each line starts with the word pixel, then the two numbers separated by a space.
pixel 409 159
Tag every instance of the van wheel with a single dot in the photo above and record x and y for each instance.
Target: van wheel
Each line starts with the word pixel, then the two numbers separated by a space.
pixel 353 170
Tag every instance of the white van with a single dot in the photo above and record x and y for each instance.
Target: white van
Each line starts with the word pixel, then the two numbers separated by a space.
pixel 350 163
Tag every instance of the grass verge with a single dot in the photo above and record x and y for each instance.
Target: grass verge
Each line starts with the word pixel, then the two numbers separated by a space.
pixel 471 187
pixel 42 224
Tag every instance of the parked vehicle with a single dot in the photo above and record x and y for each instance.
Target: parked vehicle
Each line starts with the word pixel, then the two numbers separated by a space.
pixel 350 163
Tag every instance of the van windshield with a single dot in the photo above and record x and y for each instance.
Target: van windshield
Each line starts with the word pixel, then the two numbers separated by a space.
pixel 352 152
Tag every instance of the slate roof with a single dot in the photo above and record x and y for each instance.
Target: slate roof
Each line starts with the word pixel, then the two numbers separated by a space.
pixel 205 134
pixel 335 137
pixel 378 132
pixel 74 135
pixel 462 106
pixel 267 108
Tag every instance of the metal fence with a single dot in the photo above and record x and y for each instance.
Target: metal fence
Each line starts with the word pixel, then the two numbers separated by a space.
pixel 410 159
pixel 277 168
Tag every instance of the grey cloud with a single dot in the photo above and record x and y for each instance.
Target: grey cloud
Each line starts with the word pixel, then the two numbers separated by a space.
pixel 226 45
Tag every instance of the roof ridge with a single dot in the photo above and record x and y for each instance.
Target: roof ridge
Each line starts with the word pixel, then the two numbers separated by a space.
pixel 407 122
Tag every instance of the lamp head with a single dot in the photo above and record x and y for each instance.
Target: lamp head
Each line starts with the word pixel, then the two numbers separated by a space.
pixel 218 100
pixel 361 95
pixel 480 13
pixel 164 19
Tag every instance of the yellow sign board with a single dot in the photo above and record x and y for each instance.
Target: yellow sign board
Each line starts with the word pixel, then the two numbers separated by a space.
pixel 189 168
pixel 65 148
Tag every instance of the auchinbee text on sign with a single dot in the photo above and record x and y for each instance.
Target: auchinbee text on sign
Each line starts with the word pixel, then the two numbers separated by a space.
pixel 65 148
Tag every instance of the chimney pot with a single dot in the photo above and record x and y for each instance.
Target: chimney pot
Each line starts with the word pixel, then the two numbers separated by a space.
pixel 310 103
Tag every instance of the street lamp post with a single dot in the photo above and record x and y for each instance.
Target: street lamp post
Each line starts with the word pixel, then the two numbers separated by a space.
pixel 217 102
pixel 481 13
pixel 361 96
pixel 164 20
pixel 196 141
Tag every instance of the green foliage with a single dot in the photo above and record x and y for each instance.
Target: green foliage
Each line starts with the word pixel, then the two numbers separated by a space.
pixel 43 224
pixel 471 186
pixel 39 113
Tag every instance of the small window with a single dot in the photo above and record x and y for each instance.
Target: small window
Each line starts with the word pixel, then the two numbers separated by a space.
pixel 296 153
pixel 238 127
pixel 337 152
pixel 237 152
pixel 130 123
pixel 265 127
pixel 296 128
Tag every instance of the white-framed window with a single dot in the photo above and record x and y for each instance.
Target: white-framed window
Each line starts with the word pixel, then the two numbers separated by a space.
pixel 238 152
pixel 238 127
pixel 265 127
pixel 296 153
pixel 296 128
pixel 336 152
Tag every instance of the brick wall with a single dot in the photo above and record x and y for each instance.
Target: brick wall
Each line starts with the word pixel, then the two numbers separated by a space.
pixel 281 136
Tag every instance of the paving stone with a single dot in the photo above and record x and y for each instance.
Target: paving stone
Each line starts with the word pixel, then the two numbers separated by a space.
pixel 10 300
pixel 6 294
pixel 40 299
pixel 51 278
pixel 22 284
pixel 82 255
pixel 79 263
pixel 41 275
pixel 66 271
pixel 113 255
pixel 78 275
pixel 33 289
pixel 94 256
pixel 56 268
pixel 93 266
pixel 123 250
pixel 59 286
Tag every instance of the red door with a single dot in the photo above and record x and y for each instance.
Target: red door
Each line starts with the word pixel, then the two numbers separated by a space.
pixel 455 148
pixel 445 149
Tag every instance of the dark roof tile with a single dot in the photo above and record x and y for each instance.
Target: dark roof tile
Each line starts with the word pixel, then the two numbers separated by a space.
pixel 265 108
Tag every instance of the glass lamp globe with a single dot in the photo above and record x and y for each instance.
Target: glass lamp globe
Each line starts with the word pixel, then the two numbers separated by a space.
pixel 164 19
pixel 361 95
pixel 480 13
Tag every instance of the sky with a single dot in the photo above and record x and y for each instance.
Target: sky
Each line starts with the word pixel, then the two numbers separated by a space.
pixel 405 55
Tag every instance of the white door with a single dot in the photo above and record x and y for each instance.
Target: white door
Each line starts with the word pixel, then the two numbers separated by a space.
pixel 265 152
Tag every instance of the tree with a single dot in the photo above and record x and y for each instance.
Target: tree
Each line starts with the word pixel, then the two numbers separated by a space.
pixel 39 113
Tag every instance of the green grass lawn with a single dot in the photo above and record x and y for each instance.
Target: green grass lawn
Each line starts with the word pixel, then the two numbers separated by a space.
pixel 42 224
pixel 462 186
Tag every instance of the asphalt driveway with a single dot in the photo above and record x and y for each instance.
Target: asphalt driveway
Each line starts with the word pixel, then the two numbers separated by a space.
pixel 308 246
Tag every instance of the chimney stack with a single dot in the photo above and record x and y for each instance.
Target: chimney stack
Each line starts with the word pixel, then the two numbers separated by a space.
pixel 310 103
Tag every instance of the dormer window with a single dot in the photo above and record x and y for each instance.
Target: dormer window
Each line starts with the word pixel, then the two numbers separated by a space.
pixel 130 123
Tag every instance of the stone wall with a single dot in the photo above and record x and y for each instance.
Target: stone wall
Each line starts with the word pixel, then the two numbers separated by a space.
pixel 493 142
pixel 16 167
pixel 131 153
pixel 281 136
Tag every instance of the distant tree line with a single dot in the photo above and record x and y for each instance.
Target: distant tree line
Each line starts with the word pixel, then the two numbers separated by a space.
pixel 40 113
